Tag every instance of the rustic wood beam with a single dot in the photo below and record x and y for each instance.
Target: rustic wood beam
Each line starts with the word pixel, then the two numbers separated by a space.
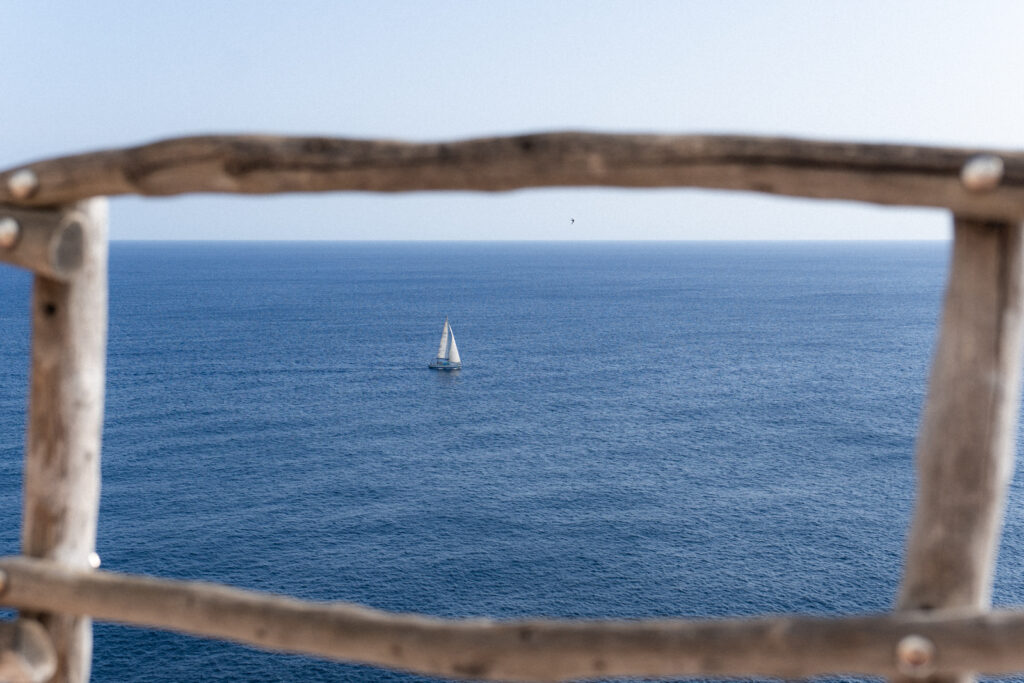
pixel 47 242
pixel 26 652
pixel 983 183
pixel 966 440
pixel 65 417
pixel 532 650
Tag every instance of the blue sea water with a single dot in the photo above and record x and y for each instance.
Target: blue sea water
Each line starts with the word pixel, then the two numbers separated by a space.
pixel 639 430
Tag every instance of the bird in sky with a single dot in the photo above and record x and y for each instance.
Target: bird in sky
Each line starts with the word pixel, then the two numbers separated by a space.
pixel 571 221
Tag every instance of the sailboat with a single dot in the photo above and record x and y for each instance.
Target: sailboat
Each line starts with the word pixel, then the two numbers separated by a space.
pixel 447 353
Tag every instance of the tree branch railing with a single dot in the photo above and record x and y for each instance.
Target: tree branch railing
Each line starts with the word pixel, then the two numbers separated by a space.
pixel 942 628
pixel 982 183
pixel 533 650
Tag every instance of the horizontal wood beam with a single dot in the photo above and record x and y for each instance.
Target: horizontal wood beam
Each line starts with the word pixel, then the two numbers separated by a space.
pixel 26 652
pixel 915 644
pixel 981 183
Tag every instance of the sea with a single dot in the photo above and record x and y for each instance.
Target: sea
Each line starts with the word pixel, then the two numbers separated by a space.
pixel 639 430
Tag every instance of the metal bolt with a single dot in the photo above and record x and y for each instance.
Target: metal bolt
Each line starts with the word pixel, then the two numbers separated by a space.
pixel 982 173
pixel 23 183
pixel 915 656
pixel 9 231
pixel 94 560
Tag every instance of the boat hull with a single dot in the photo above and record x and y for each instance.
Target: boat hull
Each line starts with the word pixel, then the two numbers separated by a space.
pixel 441 364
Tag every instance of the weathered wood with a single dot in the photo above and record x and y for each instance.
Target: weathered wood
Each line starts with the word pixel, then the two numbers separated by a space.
pixel 532 650
pixel 49 242
pixel 26 653
pixel 65 416
pixel 883 174
pixel 965 445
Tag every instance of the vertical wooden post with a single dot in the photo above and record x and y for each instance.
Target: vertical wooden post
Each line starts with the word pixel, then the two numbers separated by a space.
pixel 65 418
pixel 966 440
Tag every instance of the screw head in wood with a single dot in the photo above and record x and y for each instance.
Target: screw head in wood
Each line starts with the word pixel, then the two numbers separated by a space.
pixel 94 560
pixel 982 173
pixel 9 232
pixel 915 656
pixel 23 184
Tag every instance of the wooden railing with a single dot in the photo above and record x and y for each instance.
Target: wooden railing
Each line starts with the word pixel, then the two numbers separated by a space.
pixel 53 221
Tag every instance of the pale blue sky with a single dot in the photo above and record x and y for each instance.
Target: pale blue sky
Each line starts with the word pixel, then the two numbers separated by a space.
pixel 83 75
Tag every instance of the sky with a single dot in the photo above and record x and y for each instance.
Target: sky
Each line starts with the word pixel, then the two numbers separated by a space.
pixel 78 76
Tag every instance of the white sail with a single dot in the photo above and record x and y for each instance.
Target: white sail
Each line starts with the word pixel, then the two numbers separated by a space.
pixel 443 348
pixel 453 350
pixel 447 352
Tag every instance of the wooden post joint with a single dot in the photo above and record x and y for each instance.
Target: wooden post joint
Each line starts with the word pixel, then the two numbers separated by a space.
pixel 915 656
pixel 982 173
pixel 27 654
pixel 49 242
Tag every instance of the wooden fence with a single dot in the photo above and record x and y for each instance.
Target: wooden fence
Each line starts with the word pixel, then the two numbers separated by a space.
pixel 53 221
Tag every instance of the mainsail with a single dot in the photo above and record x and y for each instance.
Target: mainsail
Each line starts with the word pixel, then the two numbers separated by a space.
pixel 442 350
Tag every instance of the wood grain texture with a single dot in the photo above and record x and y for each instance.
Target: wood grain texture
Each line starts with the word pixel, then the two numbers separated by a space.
pixel 965 445
pixel 529 650
pixel 65 418
pixel 49 242
pixel 882 174
pixel 26 653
